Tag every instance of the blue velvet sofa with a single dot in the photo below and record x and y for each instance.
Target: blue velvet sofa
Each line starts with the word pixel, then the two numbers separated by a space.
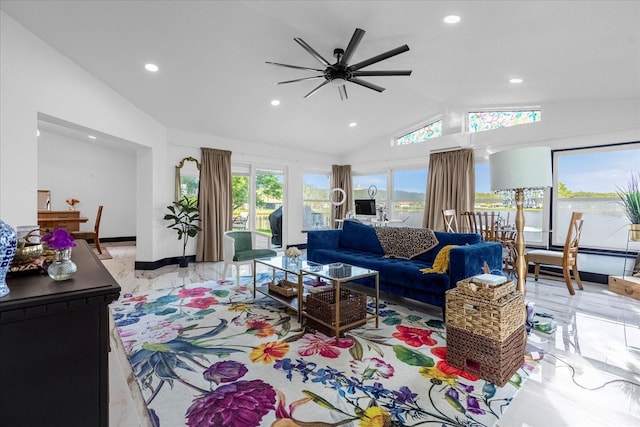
pixel 358 244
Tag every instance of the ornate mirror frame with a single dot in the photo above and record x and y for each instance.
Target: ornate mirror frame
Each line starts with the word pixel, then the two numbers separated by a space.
pixel 179 177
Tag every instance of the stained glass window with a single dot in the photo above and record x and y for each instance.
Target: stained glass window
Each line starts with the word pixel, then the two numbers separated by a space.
pixel 432 130
pixel 489 120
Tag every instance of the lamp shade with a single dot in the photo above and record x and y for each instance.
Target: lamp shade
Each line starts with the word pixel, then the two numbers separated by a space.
pixel 527 168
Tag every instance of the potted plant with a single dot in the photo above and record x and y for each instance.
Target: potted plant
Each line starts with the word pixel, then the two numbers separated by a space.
pixel 183 215
pixel 630 200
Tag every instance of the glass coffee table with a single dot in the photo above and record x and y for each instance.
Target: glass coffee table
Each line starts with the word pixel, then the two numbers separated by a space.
pixel 339 273
pixel 293 280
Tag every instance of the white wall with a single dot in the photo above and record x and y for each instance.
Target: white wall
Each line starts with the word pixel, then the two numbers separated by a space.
pixel 93 173
pixel 35 79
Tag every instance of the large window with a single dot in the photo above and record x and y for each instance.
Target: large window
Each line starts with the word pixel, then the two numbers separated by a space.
pixel 316 205
pixel 408 195
pixel 432 130
pixel 536 216
pixel 586 180
pixel 362 184
pixel 480 121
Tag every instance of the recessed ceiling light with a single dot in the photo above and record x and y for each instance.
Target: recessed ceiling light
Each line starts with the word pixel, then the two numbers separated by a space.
pixel 275 102
pixel 451 19
pixel 91 136
pixel 151 67
pixel 516 80
pixel 353 124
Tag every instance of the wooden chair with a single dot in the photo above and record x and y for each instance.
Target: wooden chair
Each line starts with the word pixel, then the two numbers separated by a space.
pixel 450 220
pixel 487 226
pixel 567 259
pixel 242 247
pixel 91 235
pixel 469 223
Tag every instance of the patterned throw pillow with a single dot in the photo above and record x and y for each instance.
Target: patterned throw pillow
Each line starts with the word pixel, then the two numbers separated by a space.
pixel 405 242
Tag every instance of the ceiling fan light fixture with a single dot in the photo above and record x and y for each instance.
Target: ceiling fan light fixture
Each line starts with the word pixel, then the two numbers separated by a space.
pixel 340 73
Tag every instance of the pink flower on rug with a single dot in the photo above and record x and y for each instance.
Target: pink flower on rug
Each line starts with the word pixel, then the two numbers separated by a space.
pixel 322 344
pixel 193 292
pixel 372 368
pixel 414 337
pixel 202 303
pixel 139 298
pixel 158 332
pixel 239 404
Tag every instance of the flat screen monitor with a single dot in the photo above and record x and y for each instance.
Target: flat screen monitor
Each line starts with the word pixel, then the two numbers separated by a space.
pixel 365 206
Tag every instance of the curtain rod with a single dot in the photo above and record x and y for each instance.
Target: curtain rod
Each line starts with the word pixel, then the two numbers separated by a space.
pixel 442 150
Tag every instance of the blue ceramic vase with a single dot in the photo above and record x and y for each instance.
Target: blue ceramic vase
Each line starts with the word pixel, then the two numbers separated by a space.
pixel 8 244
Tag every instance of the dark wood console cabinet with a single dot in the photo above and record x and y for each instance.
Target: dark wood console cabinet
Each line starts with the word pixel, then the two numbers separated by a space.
pixel 54 343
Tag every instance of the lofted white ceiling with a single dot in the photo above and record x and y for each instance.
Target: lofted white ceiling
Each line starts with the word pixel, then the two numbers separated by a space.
pixel 213 78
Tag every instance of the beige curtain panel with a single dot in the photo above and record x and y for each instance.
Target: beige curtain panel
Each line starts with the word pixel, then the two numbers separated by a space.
pixel 214 199
pixel 450 185
pixel 340 178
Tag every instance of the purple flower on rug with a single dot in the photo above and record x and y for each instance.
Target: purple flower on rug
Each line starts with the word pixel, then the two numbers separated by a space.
pixel 473 406
pixel 404 395
pixel 225 372
pixel 239 404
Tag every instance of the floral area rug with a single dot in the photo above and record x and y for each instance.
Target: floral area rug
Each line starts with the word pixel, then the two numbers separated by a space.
pixel 208 354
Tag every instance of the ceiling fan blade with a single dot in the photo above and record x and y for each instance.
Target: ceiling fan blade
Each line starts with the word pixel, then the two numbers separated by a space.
pixel 293 66
pixel 316 89
pixel 378 58
pixel 299 80
pixel 311 51
pixel 351 48
pixel 366 84
pixel 382 73
pixel 343 92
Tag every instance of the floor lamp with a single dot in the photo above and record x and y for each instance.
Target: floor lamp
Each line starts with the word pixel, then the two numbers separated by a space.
pixel 520 170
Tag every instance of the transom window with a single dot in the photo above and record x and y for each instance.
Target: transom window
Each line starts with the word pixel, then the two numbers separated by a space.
pixel 432 130
pixel 480 121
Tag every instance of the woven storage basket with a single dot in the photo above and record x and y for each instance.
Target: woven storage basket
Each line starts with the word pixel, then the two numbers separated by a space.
pixel 467 287
pixel 284 288
pixel 322 305
pixel 492 319
pixel 492 360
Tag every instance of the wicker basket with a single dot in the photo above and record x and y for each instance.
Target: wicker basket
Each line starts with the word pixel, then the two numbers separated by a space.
pixel 492 319
pixel 322 305
pixel 492 360
pixel 284 288
pixel 467 287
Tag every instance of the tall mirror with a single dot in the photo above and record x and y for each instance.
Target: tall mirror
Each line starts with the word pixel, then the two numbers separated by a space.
pixel 187 178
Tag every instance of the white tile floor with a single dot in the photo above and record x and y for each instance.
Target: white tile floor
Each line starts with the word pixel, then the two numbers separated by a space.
pixel 590 374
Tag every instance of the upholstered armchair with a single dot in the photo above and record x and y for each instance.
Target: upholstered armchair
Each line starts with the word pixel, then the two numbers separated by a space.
pixel 242 247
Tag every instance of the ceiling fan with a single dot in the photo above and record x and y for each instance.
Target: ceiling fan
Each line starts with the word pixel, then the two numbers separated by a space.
pixel 341 72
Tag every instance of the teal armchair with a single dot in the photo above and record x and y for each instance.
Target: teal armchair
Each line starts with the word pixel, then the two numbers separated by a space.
pixel 242 247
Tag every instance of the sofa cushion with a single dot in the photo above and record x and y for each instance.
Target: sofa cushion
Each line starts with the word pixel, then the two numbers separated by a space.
pixel 405 242
pixel 359 237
